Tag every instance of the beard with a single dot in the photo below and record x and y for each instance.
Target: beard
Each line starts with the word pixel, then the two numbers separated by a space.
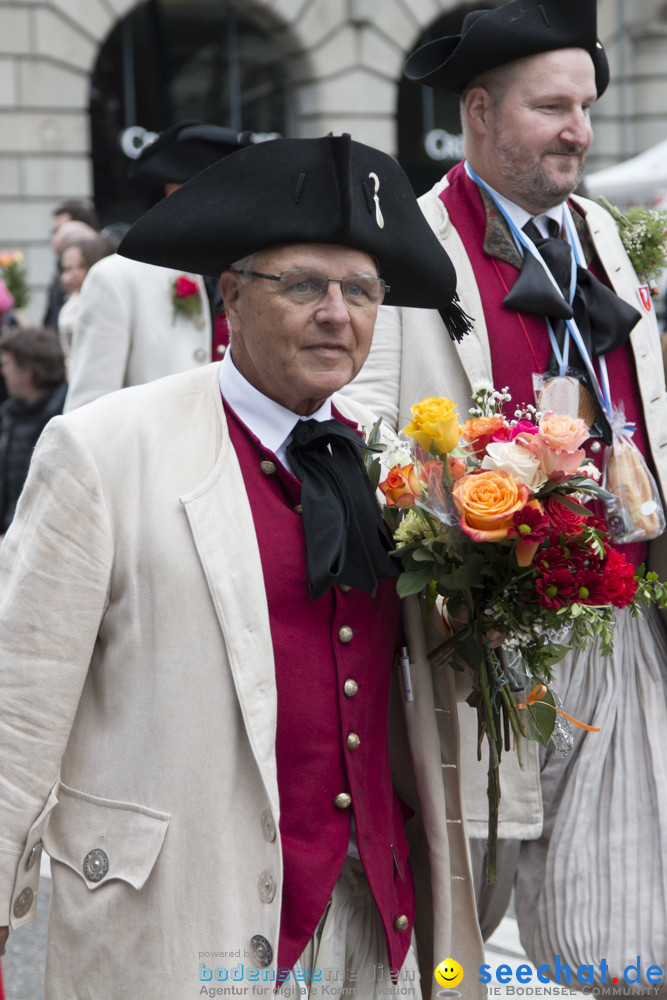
pixel 535 184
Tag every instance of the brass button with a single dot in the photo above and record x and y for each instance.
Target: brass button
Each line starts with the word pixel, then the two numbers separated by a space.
pixel 95 865
pixel 352 741
pixel 343 801
pixel 261 951
pixel 345 634
pixel 23 902
pixel 266 886
pixel 401 923
pixel 350 688
pixel 34 855
pixel 298 509
pixel 200 354
pixel 268 825
pixel 595 447
pixel 344 588
pixel 268 468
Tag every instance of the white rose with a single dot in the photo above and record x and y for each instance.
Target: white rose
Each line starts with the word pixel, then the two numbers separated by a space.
pixel 520 463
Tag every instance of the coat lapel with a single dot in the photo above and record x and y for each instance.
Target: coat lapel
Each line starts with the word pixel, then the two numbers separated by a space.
pixel 224 536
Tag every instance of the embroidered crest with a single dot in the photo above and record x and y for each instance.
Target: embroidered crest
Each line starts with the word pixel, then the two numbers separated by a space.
pixel 644 293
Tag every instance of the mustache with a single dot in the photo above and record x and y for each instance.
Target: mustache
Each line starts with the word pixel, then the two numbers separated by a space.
pixel 569 149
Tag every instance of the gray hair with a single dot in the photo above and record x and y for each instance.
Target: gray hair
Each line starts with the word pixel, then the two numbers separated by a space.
pixel 248 263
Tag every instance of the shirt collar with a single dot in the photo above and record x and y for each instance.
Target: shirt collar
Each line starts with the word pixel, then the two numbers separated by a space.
pixel 520 216
pixel 270 422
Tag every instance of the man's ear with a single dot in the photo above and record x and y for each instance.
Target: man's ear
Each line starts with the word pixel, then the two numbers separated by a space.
pixel 477 109
pixel 230 287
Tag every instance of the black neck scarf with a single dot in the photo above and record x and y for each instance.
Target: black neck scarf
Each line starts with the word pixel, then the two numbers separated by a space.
pixel 346 539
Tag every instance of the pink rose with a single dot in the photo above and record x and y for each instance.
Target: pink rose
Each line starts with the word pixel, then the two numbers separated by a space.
pixel 556 465
pixel 562 432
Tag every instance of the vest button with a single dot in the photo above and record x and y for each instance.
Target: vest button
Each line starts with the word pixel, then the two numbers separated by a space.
pixel 268 825
pixel 261 950
pixel 23 902
pixel 268 468
pixel 266 886
pixel 200 353
pixel 343 801
pixel 350 688
pixel 401 923
pixel 221 348
pixel 345 634
pixel 595 447
pixel 352 741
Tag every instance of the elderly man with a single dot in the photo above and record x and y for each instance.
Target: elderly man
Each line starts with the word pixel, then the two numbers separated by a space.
pixel 136 322
pixel 528 73
pixel 198 620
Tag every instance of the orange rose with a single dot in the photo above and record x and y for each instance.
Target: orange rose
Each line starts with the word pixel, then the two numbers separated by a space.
pixel 487 502
pixel 457 468
pixel 478 431
pixel 401 486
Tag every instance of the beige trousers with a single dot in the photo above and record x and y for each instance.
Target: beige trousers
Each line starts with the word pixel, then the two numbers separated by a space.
pixel 347 955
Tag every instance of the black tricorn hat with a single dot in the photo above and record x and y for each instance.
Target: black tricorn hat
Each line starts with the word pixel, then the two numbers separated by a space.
pixel 327 190
pixel 491 38
pixel 183 150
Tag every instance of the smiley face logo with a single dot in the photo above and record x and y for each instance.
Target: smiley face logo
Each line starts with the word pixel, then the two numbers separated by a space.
pixel 449 973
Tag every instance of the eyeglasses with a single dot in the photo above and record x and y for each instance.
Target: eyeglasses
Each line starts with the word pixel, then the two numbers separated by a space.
pixel 303 286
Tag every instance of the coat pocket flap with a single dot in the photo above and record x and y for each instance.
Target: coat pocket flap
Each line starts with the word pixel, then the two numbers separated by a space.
pixel 103 839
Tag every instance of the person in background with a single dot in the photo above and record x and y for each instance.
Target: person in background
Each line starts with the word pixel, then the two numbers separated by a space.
pixel 75 261
pixel 32 365
pixel 70 210
pixel 137 322
pixel 593 881
pixel 199 622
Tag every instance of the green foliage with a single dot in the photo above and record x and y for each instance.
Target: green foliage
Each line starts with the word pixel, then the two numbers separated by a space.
pixel 643 232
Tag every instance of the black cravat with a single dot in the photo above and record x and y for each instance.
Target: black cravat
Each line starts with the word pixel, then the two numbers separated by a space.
pixel 346 540
pixel 555 252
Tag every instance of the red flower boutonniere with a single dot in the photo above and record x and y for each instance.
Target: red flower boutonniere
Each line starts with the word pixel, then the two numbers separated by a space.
pixel 185 296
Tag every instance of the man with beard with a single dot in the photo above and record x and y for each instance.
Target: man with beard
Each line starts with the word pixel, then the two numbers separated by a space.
pixel 527 74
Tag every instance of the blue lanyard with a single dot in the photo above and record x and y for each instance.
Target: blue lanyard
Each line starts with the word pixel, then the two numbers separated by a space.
pixel 525 244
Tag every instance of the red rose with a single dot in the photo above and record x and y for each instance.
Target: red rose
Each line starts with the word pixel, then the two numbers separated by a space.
pixel 185 288
pixel 563 519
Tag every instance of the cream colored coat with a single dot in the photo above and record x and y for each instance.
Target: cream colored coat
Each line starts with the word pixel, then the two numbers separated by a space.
pixel 126 331
pixel 137 656
pixel 413 357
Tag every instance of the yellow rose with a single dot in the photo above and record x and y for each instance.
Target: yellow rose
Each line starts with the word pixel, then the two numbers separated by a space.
pixel 434 425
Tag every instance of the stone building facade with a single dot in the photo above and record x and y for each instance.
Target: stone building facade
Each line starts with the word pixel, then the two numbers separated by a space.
pixel 342 60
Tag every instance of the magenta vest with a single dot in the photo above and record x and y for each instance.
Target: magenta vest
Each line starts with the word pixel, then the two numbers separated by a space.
pixel 333 661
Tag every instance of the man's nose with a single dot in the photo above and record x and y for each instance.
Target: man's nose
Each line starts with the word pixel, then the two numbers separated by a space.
pixel 577 128
pixel 332 307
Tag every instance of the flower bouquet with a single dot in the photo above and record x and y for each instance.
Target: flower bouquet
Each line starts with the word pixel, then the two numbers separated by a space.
pixel 489 516
pixel 185 296
pixel 13 273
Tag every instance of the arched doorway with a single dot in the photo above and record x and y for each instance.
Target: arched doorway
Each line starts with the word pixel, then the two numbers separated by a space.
pixel 171 60
pixel 429 122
